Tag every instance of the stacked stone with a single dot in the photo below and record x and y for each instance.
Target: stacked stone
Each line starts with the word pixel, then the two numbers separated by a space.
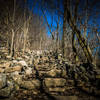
pixel 53 77
pixel 48 71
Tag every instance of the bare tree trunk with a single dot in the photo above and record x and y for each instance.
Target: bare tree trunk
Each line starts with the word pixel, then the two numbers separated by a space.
pixel 73 34
pixel 25 28
pixel 8 44
pixel 13 33
pixel 57 35
pixel 81 40
pixel 64 28
pixel 25 38
pixel 12 43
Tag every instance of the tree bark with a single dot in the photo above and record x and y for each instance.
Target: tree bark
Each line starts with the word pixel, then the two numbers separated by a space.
pixel 77 32
pixel 64 28
pixel 12 51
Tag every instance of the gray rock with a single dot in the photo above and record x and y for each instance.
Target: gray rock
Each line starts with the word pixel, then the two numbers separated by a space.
pixel 3 80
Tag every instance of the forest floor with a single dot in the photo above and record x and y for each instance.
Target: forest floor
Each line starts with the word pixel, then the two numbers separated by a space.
pixel 44 75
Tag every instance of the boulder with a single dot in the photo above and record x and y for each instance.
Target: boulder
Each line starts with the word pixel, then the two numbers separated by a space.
pixel 3 80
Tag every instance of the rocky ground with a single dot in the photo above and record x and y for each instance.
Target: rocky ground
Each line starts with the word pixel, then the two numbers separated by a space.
pixel 43 75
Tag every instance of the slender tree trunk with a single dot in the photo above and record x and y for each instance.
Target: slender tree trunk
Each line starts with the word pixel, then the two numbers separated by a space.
pixel 73 33
pixel 57 35
pixel 12 43
pixel 64 28
pixel 86 20
pixel 13 33
pixel 26 28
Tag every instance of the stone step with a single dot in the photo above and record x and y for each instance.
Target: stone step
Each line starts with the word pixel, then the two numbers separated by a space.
pixel 13 69
pixel 42 68
pixel 53 73
pixel 66 97
pixel 54 82
pixel 57 89
pixel 30 85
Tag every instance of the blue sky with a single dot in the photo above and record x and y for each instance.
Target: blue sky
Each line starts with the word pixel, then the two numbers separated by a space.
pixel 49 16
pixel 37 10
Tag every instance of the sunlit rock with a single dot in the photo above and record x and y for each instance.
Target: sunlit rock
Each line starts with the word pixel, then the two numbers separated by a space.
pixel 23 63
pixel 28 71
pixel 57 89
pixel 1 70
pixel 5 64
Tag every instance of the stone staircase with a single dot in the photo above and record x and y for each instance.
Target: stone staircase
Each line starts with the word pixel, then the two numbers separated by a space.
pixel 47 77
